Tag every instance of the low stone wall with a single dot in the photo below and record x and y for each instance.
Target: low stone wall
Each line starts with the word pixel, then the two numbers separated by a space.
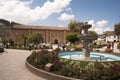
pixel 47 75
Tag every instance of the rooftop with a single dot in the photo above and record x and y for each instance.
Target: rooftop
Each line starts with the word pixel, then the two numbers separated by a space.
pixel 39 27
pixel 109 33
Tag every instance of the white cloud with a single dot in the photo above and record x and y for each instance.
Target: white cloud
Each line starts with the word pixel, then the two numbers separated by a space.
pixel 61 26
pixel 20 11
pixel 108 29
pixel 69 9
pixel 99 26
pixel 66 17
pixel 102 23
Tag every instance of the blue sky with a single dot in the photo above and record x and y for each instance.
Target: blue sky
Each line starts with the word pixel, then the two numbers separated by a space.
pixel 102 14
pixel 85 10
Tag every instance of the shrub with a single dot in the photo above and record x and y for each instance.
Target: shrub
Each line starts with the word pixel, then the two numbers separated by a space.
pixel 38 58
pixel 56 62
pixel 108 50
pixel 98 45
pixel 24 47
pixel 50 57
pixel 118 46
pixel 78 69
pixel 102 73
pixel 67 71
pixel 1 50
pixel 70 47
pixel 78 49
pixel 49 47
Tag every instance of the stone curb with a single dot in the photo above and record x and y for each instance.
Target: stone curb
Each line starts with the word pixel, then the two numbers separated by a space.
pixel 47 75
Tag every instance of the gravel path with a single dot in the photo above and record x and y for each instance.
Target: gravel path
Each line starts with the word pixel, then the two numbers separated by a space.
pixel 12 66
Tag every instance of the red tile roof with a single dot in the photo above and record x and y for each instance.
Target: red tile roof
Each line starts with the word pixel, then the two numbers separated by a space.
pixel 109 33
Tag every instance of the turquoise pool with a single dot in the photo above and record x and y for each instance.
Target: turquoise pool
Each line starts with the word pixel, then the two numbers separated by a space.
pixel 93 56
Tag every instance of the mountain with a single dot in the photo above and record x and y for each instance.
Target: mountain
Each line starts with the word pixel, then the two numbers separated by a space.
pixel 4 22
pixel 7 23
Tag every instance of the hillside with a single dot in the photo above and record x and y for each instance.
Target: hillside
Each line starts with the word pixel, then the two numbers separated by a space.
pixel 7 23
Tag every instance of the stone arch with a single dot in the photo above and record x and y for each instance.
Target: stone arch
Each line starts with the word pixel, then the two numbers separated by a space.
pixel 56 41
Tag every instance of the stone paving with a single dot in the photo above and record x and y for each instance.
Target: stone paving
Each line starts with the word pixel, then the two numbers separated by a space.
pixel 12 66
pixel 115 50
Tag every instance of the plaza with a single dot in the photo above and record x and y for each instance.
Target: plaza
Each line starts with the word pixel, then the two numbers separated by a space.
pixel 12 66
pixel 59 40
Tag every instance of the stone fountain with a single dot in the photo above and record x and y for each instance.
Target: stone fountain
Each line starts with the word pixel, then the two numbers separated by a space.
pixel 86 39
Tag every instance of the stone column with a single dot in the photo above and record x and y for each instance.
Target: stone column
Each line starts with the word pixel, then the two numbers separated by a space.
pixel 86 51
pixel 30 30
pixel 64 39
pixel 47 36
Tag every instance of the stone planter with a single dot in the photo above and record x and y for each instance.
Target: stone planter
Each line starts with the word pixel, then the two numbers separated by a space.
pixel 47 75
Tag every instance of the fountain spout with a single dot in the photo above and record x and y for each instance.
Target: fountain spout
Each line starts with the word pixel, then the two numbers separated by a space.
pixel 86 38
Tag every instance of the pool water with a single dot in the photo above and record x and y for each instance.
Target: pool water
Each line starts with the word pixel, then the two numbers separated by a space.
pixel 93 56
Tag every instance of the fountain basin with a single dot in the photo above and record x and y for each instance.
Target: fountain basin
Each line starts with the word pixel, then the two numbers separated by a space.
pixel 94 56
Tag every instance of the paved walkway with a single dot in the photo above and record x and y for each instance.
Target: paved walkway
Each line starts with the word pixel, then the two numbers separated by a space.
pixel 12 66
pixel 115 50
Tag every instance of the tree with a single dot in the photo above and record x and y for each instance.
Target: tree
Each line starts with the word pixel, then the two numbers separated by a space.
pixel 4 41
pixel 11 42
pixel 25 38
pixel 117 30
pixel 35 38
pixel 73 26
pixel 94 34
pixel 72 38
pixel 5 22
pixel 118 46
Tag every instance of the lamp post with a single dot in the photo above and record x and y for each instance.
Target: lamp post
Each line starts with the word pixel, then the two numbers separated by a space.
pixel 16 38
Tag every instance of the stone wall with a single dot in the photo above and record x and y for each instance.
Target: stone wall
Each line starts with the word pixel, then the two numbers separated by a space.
pixel 49 35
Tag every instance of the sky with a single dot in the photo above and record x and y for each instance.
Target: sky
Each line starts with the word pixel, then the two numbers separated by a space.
pixel 102 14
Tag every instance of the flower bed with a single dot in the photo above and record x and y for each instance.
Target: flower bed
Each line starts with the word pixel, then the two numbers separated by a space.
pixel 45 74
pixel 87 70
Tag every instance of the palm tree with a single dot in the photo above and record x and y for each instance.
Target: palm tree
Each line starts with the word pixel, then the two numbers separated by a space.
pixel 25 38
pixel 35 38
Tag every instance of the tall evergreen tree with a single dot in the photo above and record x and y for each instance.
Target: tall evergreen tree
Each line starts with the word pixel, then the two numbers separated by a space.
pixel 117 30
pixel 73 26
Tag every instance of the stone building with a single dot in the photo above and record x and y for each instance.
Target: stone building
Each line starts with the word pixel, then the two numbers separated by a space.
pixel 110 36
pixel 49 34
pixel 15 31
